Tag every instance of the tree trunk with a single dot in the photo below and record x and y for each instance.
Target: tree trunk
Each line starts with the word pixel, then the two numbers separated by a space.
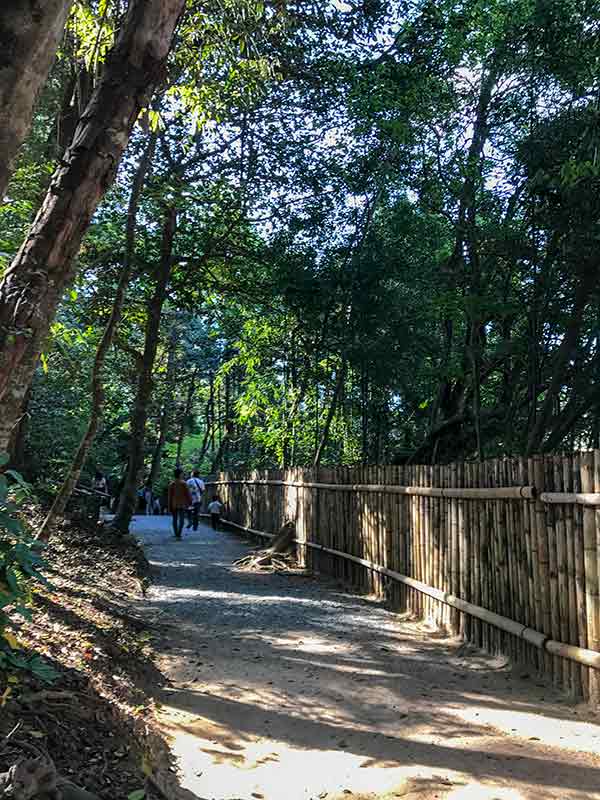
pixel 128 499
pixel 165 416
pixel 45 265
pixel 186 412
pixel 97 388
pixel 330 415
pixel 588 280
pixel 30 33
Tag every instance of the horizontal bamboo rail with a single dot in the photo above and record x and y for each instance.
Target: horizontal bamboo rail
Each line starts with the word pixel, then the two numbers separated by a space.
pixel 590 658
pixel 592 499
pixel 501 493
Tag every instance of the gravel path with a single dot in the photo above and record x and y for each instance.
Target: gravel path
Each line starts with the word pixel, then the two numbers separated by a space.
pixel 285 686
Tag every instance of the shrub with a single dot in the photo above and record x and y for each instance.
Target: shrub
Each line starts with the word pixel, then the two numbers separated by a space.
pixel 20 564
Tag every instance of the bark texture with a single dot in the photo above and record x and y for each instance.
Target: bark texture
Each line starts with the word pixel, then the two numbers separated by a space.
pixel 30 32
pixel 139 417
pixel 45 265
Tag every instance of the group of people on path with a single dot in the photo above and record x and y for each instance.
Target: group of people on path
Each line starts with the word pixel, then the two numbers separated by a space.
pixel 185 498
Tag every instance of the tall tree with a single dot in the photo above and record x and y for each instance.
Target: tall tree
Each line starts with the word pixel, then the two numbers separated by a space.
pixel 45 265
pixel 29 37
pixel 139 416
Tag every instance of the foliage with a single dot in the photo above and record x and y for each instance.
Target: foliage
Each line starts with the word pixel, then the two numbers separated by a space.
pixel 384 215
pixel 20 565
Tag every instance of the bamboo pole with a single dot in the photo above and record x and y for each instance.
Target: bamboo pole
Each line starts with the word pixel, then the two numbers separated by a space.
pixel 543 567
pixel 513 609
pixel 562 571
pixel 463 555
pixel 592 603
pixel 567 483
pixel 454 547
pixel 477 568
pixel 465 493
pixel 437 534
pixel 578 498
pixel 529 592
pixel 580 573
pixel 551 533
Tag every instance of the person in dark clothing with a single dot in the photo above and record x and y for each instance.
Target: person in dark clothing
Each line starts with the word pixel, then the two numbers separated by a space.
pixel 180 499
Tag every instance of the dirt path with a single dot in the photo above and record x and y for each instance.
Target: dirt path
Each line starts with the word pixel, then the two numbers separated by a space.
pixel 289 687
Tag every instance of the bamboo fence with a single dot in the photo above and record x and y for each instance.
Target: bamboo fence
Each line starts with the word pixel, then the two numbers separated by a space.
pixel 504 553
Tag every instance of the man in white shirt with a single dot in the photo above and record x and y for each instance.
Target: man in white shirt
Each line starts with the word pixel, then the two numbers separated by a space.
pixel 196 487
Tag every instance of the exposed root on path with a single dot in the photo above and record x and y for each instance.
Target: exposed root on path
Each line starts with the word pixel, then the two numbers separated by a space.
pixel 280 556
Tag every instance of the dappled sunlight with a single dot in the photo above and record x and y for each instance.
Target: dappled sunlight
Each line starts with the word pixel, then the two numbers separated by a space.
pixel 227 765
pixel 571 734
pixel 287 688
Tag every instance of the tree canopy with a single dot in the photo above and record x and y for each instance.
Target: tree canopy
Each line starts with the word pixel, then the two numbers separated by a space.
pixel 330 233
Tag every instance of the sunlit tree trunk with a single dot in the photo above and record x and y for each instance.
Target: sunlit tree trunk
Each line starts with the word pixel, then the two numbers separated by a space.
pixel 45 265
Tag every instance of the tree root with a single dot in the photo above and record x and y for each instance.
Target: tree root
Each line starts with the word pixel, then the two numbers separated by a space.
pixel 278 557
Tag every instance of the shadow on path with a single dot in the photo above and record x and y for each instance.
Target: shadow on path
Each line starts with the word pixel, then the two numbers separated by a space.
pixel 288 686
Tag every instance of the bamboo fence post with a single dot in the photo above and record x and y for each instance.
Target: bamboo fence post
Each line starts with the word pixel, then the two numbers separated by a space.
pixel 346 510
pixel 380 530
pixel 405 541
pixel 443 569
pixel 578 540
pixel 511 556
pixel 396 555
pixel 388 517
pixel 543 559
pixel 426 554
pixel 463 624
pixel 410 540
pixel 355 527
pixel 557 664
pixel 592 603
pixel 424 544
pixel 494 569
pixel 567 485
pixel 515 554
pixel 494 559
pixel 436 534
pixel 499 556
pixel 484 566
pixel 562 574
pixel 475 568
pixel 528 588
pixel 535 562
pixel 454 551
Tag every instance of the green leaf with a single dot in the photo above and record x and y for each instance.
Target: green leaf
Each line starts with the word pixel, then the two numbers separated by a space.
pixel 138 794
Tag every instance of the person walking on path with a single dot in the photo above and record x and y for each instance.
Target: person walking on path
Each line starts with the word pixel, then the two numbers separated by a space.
pixel 180 499
pixel 196 487
pixel 215 509
pixel 148 498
